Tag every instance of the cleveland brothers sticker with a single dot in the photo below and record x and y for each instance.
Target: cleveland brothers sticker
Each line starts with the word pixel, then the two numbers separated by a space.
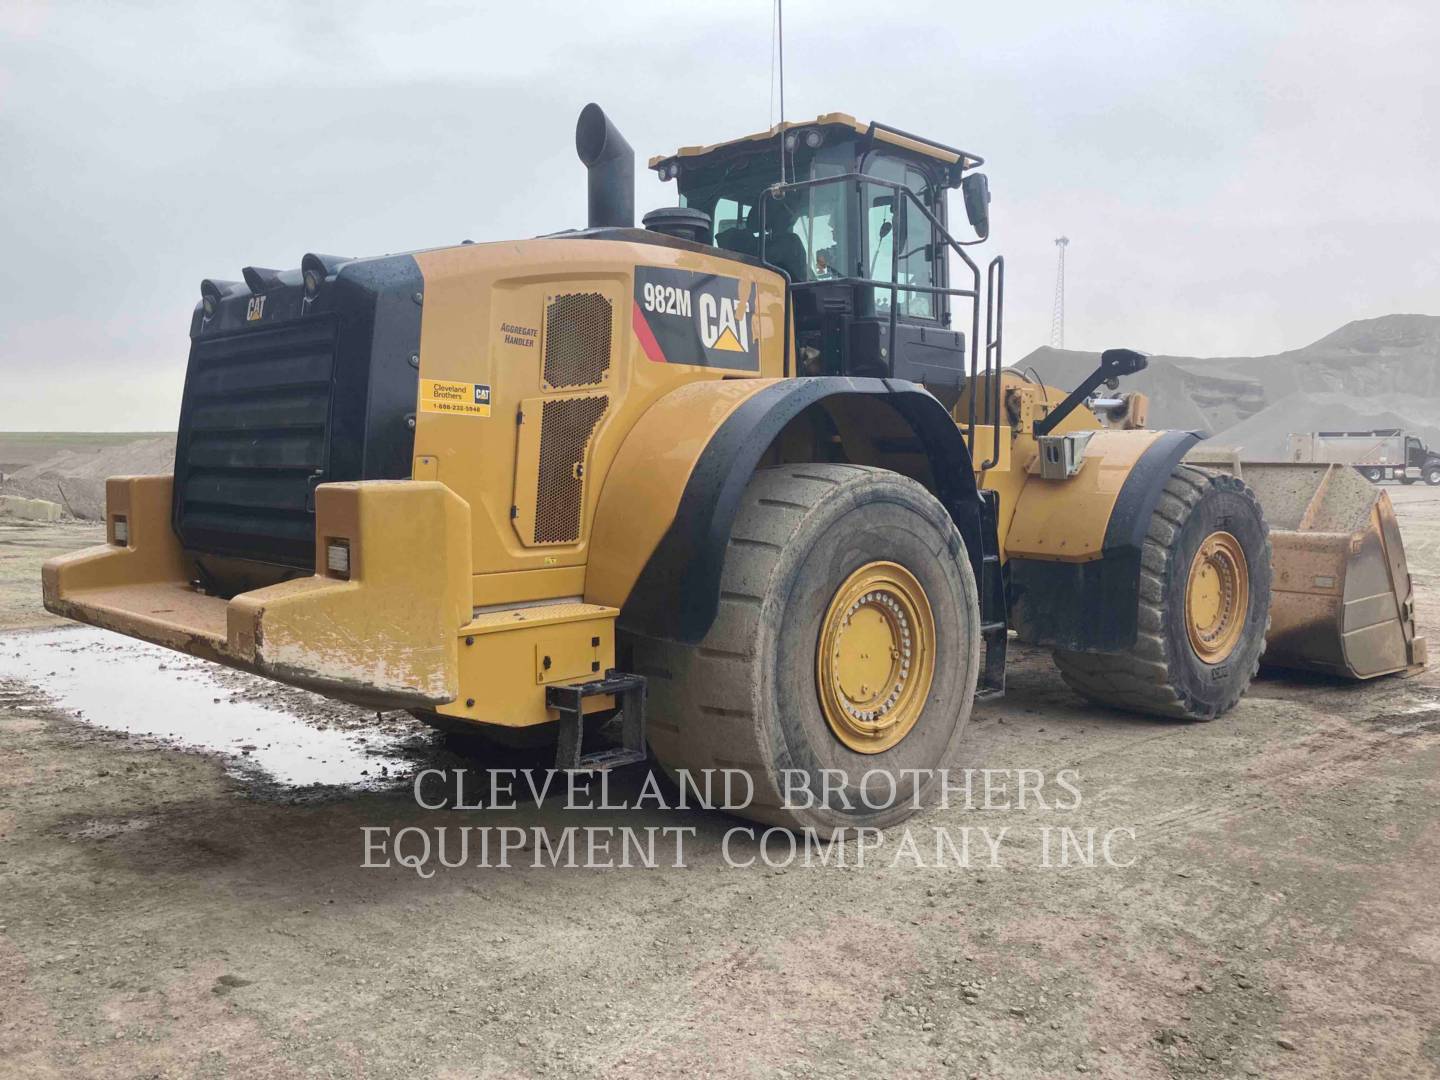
pixel 454 398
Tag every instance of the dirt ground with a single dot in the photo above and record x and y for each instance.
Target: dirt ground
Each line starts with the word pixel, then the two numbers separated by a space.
pixel 24 545
pixel 163 914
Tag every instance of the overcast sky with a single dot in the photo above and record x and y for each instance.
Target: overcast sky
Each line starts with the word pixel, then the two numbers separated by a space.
pixel 1236 178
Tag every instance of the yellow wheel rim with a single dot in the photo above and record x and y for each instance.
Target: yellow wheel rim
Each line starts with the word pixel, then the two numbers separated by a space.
pixel 876 657
pixel 1217 597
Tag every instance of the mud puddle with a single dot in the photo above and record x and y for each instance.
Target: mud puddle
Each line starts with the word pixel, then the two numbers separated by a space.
pixel 142 689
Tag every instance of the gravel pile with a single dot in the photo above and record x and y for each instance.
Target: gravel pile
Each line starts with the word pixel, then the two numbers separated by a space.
pixel 1372 373
pixel 76 478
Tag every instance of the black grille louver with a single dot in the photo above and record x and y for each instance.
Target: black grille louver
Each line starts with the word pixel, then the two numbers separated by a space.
pixel 286 390
pixel 566 427
pixel 255 441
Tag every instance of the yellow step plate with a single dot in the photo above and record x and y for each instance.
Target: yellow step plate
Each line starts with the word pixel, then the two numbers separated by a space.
pixel 509 655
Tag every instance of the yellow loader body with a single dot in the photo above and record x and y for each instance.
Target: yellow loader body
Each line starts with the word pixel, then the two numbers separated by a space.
pixel 473 482
pixel 499 567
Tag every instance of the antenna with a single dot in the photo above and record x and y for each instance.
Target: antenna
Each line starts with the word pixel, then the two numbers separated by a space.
pixel 780 46
pixel 770 115
pixel 1057 316
pixel 780 26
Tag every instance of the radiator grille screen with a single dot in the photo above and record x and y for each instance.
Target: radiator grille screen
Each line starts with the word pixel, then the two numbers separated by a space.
pixel 577 340
pixel 566 426
pixel 254 439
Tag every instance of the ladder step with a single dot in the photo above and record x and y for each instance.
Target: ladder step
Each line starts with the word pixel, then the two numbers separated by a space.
pixel 612 758
pixel 569 701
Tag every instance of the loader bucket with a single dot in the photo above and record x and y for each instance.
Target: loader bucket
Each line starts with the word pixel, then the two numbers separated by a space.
pixel 1341 601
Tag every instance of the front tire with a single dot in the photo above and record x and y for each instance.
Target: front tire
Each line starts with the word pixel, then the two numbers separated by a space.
pixel 847 640
pixel 1432 475
pixel 1204 606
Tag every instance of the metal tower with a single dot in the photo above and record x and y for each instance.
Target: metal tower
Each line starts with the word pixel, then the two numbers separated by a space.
pixel 1057 316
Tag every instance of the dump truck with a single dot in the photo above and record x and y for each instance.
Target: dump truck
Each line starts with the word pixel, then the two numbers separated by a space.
pixel 1382 454
pixel 747 487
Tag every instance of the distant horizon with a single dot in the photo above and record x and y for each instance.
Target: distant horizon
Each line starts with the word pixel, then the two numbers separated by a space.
pixel 1246 355
pixel 82 431
pixel 156 432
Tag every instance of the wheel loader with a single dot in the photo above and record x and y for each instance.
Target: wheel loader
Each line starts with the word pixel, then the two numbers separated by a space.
pixel 746 487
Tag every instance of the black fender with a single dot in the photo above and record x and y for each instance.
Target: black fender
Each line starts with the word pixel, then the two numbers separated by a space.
pixel 677 594
pixel 1094 606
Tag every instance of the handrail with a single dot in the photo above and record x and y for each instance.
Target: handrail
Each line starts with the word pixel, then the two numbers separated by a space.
pixel 994 341
pixel 995 282
pixel 961 155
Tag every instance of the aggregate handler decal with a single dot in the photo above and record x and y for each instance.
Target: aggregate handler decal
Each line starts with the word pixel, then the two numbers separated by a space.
pixel 707 320
pixel 455 398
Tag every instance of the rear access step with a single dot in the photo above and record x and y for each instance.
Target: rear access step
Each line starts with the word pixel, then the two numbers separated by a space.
pixel 991 585
pixel 1342 601
pixel 569 702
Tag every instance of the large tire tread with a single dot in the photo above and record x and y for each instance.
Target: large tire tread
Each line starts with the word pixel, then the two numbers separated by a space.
pixel 1141 679
pixel 707 676
pixel 705 701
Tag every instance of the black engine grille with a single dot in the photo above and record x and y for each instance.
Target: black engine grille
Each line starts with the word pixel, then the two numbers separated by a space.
pixel 254 441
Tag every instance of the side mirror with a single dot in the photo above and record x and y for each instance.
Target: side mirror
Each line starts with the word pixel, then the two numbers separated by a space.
pixel 894 225
pixel 1113 364
pixel 1117 362
pixel 976 191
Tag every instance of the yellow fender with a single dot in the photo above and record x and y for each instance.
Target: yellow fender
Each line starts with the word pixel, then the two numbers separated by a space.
pixel 664 515
pixel 1066 520
pixel 1073 546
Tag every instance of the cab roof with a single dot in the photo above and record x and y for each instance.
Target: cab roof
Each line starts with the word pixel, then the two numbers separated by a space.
pixel 917 144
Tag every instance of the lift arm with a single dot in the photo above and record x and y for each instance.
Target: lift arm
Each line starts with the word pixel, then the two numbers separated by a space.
pixel 1113 364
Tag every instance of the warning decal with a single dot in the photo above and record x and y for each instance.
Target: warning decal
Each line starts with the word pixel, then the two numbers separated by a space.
pixel 455 398
pixel 707 320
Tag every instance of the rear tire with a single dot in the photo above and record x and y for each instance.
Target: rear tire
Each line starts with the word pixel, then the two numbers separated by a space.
pixel 1164 673
pixel 749 695
pixel 1373 475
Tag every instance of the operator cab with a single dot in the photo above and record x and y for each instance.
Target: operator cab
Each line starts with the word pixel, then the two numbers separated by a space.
pixel 856 217
pixel 1417 454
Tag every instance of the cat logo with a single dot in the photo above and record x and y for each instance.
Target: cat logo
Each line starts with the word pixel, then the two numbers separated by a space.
pixel 704 320
pixel 722 326
pixel 255 309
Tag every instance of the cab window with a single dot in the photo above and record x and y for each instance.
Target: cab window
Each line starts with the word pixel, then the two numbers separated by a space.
pixel 805 232
pixel 820 224
pixel 909 257
pixel 812 233
pixel 728 221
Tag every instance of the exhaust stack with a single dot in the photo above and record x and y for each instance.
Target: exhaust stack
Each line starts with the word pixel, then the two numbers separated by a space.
pixel 611 165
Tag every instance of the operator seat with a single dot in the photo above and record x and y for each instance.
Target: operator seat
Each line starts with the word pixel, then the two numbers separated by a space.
pixel 782 247
pixel 737 236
